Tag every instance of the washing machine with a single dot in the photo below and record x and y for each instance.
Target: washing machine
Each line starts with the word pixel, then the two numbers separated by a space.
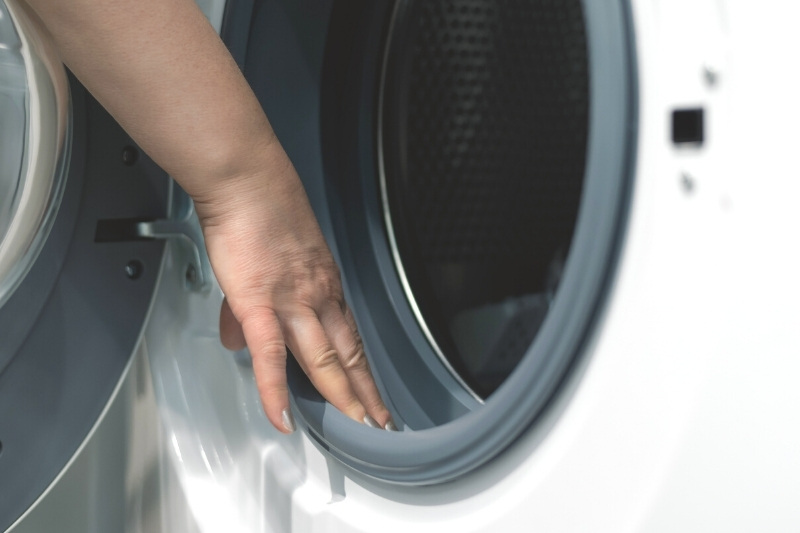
pixel 567 231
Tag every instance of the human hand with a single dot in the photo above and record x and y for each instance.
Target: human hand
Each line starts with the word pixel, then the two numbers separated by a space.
pixel 161 70
pixel 282 288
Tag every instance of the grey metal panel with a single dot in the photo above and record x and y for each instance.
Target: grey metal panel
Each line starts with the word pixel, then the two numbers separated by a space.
pixel 118 480
pixel 70 329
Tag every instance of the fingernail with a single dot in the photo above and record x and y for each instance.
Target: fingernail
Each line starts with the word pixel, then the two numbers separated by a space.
pixel 368 420
pixel 390 426
pixel 288 419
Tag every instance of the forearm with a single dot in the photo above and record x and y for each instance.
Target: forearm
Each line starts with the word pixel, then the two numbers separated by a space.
pixel 160 69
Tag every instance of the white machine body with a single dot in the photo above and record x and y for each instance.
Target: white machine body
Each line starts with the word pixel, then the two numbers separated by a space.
pixel 680 416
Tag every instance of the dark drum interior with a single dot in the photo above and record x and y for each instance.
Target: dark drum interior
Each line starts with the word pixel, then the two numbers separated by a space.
pixel 484 122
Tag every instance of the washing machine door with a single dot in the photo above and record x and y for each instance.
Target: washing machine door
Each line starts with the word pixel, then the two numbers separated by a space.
pixel 72 303
pixel 540 211
pixel 471 164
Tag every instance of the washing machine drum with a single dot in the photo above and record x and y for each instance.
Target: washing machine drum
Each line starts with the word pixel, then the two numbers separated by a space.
pixel 71 309
pixel 473 179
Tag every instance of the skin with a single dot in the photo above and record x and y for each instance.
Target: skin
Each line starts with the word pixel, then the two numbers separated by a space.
pixel 161 70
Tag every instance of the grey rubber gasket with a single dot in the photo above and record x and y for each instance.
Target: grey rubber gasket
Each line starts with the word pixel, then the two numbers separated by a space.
pixel 452 434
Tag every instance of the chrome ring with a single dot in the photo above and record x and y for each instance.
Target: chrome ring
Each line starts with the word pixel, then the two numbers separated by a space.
pixel 387 217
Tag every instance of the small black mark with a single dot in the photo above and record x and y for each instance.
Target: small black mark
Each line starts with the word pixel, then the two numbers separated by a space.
pixel 687 126
pixel 191 275
pixel 130 154
pixel 134 269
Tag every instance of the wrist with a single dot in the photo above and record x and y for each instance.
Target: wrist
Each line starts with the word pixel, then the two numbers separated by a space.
pixel 206 171
pixel 246 185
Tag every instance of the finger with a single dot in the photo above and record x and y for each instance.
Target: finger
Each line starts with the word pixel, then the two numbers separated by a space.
pixel 341 328
pixel 230 331
pixel 268 350
pixel 319 360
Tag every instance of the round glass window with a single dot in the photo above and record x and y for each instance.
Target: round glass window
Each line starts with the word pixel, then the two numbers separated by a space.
pixel 34 142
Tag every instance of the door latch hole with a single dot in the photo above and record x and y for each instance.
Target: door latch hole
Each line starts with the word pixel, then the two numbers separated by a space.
pixel 688 126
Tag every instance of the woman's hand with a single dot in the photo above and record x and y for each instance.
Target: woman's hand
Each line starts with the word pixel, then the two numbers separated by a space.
pixel 160 69
pixel 283 288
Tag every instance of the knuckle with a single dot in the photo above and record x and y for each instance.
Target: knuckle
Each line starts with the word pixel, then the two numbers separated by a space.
pixel 273 349
pixel 254 314
pixel 305 293
pixel 331 288
pixel 311 282
pixel 332 292
pixel 326 357
pixel 355 358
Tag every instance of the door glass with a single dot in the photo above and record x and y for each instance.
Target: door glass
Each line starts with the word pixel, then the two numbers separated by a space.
pixel 34 136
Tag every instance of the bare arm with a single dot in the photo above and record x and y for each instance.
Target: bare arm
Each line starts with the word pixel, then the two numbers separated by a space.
pixel 160 69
